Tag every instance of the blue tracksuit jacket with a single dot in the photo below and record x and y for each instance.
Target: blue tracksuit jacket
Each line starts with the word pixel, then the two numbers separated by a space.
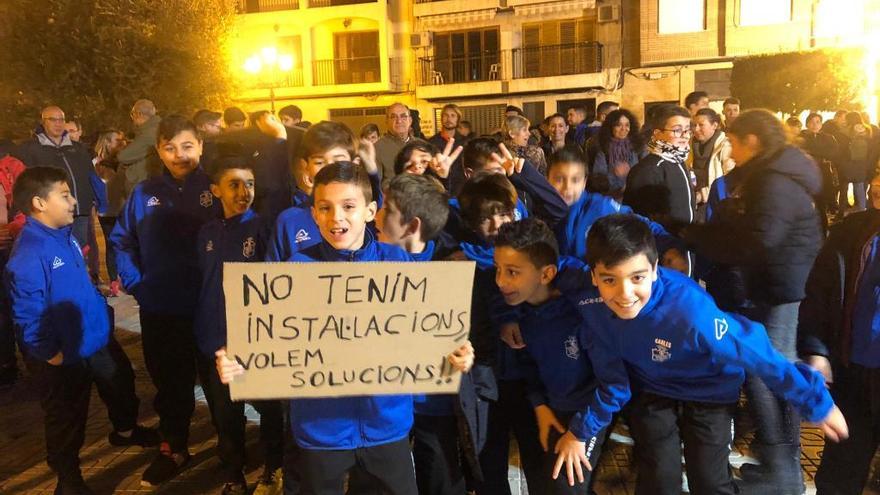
pixel 155 241
pixel 242 238
pixel 55 306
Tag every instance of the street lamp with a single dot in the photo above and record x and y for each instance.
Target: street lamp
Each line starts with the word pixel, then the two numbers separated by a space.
pixel 269 61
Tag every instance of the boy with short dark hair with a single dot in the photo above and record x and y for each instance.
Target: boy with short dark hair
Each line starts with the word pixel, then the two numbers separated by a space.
pixel 328 431
pixel 155 240
pixel 65 328
pixel 558 372
pixel 656 336
pixel 324 143
pixel 240 236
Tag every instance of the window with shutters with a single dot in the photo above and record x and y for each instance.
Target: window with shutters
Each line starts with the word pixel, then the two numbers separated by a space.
pixel 554 48
pixel 464 56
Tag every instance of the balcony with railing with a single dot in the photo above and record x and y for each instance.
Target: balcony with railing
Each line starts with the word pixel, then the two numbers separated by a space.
pixel 485 66
pixel 556 60
pixel 255 6
pixel 356 70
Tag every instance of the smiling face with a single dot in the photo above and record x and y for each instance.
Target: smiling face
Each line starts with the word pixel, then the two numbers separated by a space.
pixel 235 191
pixel 557 129
pixel 676 131
pixel 419 161
pixel 620 129
pixel 626 286
pixel 569 179
pixel 57 208
pixel 315 163
pixel 180 154
pixel 518 279
pixel 342 213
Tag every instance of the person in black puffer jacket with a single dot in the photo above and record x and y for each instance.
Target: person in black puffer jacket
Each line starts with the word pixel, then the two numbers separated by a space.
pixel 775 241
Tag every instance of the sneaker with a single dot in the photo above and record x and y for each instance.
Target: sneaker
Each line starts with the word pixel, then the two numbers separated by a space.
pixel 141 435
pixel 234 488
pixel 165 466
pixel 270 482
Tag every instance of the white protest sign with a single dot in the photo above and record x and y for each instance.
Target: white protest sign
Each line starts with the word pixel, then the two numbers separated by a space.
pixel 342 329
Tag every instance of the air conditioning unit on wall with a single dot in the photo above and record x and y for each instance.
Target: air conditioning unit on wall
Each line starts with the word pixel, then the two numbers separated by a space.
pixel 421 40
pixel 608 13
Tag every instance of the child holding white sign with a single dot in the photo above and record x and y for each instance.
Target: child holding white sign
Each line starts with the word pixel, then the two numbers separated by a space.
pixel 371 432
pixel 240 236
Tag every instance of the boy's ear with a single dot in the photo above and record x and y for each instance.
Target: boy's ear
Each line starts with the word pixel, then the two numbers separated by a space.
pixel 593 278
pixel 302 166
pixel 655 271
pixel 372 207
pixel 215 190
pixel 414 226
pixel 38 204
pixel 548 273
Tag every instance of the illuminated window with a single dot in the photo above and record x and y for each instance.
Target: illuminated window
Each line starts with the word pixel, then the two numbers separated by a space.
pixel 762 12
pixel 681 16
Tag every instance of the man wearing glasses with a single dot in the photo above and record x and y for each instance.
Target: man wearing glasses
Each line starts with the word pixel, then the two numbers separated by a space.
pixel 399 121
pixel 51 146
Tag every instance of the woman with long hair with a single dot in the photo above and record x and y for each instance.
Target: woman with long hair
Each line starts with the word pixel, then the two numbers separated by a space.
pixel 106 147
pixel 620 148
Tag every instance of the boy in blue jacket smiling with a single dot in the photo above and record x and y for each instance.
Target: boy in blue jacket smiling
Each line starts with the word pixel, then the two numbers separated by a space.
pixel 155 241
pixel 558 372
pixel 656 336
pixel 65 329
pixel 336 435
pixel 240 236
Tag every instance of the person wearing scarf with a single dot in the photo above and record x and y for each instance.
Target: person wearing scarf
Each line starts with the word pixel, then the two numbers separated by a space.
pixel 620 148
pixel 710 155
pixel 659 186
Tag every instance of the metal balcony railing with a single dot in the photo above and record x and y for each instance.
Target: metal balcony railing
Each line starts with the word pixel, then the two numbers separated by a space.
pixel 557 60
pixel 254 6
pixel 334 3
pixel 485 66
pixel 346 71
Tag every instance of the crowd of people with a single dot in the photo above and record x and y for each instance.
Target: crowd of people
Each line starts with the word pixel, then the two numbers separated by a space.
pixel 646 274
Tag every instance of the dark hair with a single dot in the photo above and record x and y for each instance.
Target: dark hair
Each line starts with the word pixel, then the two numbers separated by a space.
pixel 368 129
pixel 233 114
pixel 605 106
pixel 291 111
pixel 765 126
pixel 556 115
pixel 694 97
pixel 661 113
pixel 567 154
pixel 420 196
pixel 465 123
pixel 512 108
pixel 812 116
pixel 607 129
pixel 255 116
pixel 840 112
pixel 345 173
pixel 326 135
pixel 477 152
pixel 794 122
pixel 616 238
pixel 531 237
pixel 402 158
pixel 483 195
pixel 579 108
pixel 221 165
pixel 173 125
pixel 205 116
pixel 711 114
pixel 35 182
pixel 731 100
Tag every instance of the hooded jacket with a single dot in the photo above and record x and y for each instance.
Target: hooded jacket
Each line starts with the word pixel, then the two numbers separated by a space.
pixel 155 240
pixel 778 234
pixel 55 306
pixel 660 190
pixel 351 422
pixel 682 347
pixel 71 157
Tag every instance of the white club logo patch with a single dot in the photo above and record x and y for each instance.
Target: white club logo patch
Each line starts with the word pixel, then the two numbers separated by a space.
pixel 209 246
pixel 153 201
pixel 571 347
pixel 302 236
pixel 206 199
pixel 661 351
pixel 249 247
pixel 720 328
pixel 57 263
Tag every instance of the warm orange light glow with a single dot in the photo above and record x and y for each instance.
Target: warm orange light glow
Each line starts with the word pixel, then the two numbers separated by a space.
pixel 270 55
pixel 253 65
pixel 285 63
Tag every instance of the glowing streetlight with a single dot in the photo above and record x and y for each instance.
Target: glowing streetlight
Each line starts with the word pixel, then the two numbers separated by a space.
pixel 269 60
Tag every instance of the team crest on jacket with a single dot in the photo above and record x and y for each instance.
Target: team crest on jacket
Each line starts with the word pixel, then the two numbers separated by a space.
pixel 660 352
pixel 302 236
pixel 206 199
pixel 720 328
pixel 153 201
pixel 249 247
pixel 209 246
pixel 571 347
